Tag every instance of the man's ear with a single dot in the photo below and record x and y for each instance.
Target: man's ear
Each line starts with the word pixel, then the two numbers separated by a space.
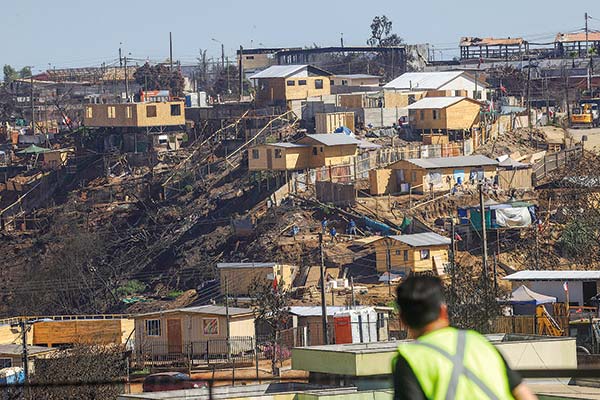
pixel 444 312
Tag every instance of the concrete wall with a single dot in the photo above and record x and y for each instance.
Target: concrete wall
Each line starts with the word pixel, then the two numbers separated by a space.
pixel 540 354
pixel 381 117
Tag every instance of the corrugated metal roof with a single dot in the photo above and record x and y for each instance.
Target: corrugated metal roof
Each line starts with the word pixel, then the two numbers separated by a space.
pixel 333 139
pixel 246 265
pixel 279 71
pixel 287 145
pixel 553 276
pixel 309 311
pixel 422 239
pixel 423 80
pixel 17 349
pixel 450 162
pixel 434 102
pixel 208 309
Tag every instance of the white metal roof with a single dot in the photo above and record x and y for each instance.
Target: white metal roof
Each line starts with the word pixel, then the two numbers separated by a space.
pixel 246 265
pixel 313 311
pixel 287 144
pixel 423 80
pixel 333 139
pixel 358 76
pixel 208 309
pixel 450 162
pixel 528 275
pixel 279 71
pixel 434 102
pixel 422 239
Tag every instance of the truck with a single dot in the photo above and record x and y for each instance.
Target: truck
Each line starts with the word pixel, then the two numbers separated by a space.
pixel 586 114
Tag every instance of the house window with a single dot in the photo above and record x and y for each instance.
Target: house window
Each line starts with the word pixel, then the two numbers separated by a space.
pixel 457 93
pixel 413 176
pixel 318 83
pixel 151 111
pixel 210 326
pixel 332 82
pixel 344 82
pixel 277 153
pixel 112 112
pixel 315 151
pixel 425 254
pixel 89 112
pixel 128 112
pixel 153 327
pixel 175 109
pixel 321 149
pixel 436 114
pixel 291 83
pixel 405 255
pixel 380 320
pixel 255 154
pixel 5 363
pixel 397 252
pixel 249 57
pixel 422 115
pixel 302 82
pixel 477 94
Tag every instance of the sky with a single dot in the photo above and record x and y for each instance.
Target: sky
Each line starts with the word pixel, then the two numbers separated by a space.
pixel 79 33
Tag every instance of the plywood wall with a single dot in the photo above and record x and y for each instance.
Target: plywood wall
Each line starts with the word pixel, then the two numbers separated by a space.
pixel 329 122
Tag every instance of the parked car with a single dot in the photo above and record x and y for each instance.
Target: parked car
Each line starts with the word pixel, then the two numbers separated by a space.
pixel 163 381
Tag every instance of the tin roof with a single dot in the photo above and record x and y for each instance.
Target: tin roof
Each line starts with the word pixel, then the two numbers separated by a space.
pixel 208 309
pixel 450 162
pixel 284 71
pixel 422 239
pixel 246 265
pixel 358 76
pixel 17 349
pixel 333 139
pixel 528 275
pixel 426 80
pixel 287 144
pixel 435 102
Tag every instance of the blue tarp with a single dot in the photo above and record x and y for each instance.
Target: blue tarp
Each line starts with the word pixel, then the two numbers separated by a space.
pixel 346 131
pixel 377 226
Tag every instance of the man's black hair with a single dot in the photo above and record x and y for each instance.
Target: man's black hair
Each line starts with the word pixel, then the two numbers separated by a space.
pixel 419 299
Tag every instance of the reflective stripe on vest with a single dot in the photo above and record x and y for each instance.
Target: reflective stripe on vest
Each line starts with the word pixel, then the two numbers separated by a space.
pixel 451 364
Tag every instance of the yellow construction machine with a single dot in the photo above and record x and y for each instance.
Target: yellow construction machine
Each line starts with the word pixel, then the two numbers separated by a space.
pixel 586 115
pixel 546 325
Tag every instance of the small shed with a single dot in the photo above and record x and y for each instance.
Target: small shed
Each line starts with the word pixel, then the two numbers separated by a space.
pixel 329 122
pixel 419 252
pixel 444 114
pixel 238 277
pixel 442 173
pixel 11 355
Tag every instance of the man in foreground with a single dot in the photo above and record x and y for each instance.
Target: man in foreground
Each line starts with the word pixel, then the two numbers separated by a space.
pixel 444 362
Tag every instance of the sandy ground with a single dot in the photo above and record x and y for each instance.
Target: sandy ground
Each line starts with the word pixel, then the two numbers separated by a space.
pixel 593 136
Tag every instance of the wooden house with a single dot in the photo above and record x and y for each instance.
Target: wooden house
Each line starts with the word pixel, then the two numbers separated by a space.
pixel 456 82
pixel 442 173
pixel 444 114
pixel 419 252
pixel 11 355
pixel 134 115
pixel 172 331
pixel 356 80
pixel 312 151
pixel 279 84
pixel 237 278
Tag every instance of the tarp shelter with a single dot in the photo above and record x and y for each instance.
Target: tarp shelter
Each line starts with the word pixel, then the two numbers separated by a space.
pixel 33 149
pixel 344 130
pixel 525 300
pixel 505 215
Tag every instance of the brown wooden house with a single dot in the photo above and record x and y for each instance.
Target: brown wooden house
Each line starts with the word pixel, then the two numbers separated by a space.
pixel 444 114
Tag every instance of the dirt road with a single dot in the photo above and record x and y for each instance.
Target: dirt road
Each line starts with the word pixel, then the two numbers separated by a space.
pixel 593 136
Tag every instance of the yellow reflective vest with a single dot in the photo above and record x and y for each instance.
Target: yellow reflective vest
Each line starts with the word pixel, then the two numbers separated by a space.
pixel 452 364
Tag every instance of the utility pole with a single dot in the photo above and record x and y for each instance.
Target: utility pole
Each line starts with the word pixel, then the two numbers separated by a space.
pixel 227 333
pixel 388 264
pixel 528 99
pixel 484 254
pixel 126 80
pixel 342 40
pixel 452 259
pixel 241 72
pixel 170 52
pixel 567 95
pixel 227 72
pixel 587 52
pixel 25 355
pixel 323 304
pixel 32 106
pixel 222 56
pixel 120 57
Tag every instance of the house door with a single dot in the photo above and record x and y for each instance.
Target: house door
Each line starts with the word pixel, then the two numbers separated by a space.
pixel 269 158
pixel 174 339
pixel 589 291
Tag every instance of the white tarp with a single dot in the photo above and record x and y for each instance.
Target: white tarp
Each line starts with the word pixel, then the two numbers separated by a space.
pixel 513 217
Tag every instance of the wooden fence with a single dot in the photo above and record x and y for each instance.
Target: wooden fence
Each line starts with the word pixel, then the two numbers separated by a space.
pixel 552 162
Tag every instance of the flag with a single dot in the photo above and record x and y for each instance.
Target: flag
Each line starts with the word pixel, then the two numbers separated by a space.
pixel 503 89
pixel 457 237
pixel 565 286
pixel 275 283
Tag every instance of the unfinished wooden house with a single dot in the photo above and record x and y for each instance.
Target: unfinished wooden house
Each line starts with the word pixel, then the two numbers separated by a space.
pixel 279 84
pixel 355 80
pixel 238 278
pixel 312 151
pixel 441 173
pixel 474 48
pixel 576 44
pixel 406 254
pixel 444 114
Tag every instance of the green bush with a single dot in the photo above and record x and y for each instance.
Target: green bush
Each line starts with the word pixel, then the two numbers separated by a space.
pixel 174 294
pixel 130 288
